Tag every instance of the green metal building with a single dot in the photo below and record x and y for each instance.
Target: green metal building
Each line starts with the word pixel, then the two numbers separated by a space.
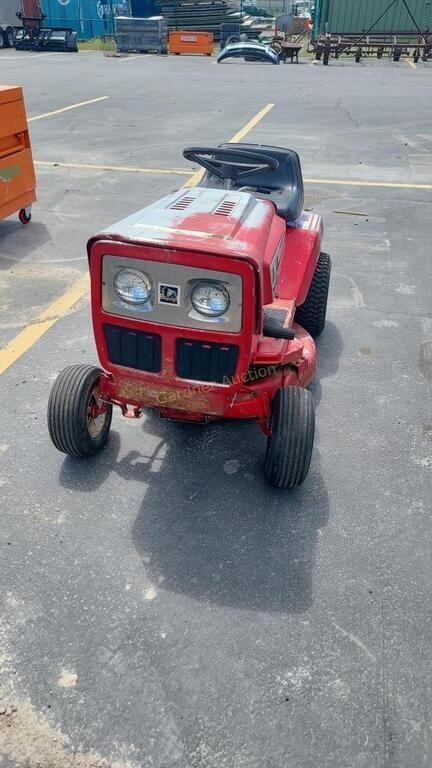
pixel 352 16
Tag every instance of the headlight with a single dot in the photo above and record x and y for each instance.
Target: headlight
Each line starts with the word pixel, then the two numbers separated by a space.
pixel 132 286
pixel 210 298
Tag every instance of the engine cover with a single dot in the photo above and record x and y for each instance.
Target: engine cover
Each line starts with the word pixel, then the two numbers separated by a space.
pixel 222 222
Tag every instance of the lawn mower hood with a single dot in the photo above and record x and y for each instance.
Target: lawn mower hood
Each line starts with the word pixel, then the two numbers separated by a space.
pixel 209 222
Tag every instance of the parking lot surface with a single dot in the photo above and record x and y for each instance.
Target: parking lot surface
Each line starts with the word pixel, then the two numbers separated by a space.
pixel 161 606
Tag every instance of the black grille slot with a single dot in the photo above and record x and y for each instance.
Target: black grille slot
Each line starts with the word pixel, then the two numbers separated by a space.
pixel 206 361
pixel 133 349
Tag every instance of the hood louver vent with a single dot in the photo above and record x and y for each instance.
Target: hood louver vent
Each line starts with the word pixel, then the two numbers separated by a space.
pixel 225 208
pixel 182 203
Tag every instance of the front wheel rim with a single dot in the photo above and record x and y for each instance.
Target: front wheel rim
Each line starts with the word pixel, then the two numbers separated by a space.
pixel 97 414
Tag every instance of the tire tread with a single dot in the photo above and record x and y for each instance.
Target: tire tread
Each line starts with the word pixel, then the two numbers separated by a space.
pixel 312 313
pixel 289 448
pixel 66 411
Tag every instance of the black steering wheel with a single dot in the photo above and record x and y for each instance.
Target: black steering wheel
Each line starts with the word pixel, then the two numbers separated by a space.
pixel 230 164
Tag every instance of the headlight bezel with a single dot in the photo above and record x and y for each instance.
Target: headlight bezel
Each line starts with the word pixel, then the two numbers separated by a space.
pixel 210 284
pixel 184 276
pixel 144 277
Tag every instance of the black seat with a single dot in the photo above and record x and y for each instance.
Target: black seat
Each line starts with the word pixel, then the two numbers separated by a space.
pixel 283 187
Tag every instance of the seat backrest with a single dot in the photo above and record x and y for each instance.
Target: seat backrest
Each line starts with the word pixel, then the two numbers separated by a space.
pixel 287 176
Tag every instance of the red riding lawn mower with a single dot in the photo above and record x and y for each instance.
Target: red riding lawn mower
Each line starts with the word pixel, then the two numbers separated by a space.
pixel 205 305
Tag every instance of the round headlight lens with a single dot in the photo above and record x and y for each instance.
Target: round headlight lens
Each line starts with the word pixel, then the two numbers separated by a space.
pixel 210 298
pixel 132 286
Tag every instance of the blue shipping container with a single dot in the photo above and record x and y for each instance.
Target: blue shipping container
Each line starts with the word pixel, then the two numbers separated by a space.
pixel 144 8
pixel 90 18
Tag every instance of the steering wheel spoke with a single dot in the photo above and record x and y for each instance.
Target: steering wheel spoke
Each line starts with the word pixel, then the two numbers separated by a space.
pixel 230 164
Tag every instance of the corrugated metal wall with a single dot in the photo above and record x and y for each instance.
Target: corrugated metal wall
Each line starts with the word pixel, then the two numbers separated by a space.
pixel 8 10
pixel 358 16
pixel 91 18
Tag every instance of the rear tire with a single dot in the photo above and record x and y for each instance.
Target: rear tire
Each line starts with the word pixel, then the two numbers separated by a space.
pixel 2 40
pixel 289 449
pixel 71 425
pixel 311 314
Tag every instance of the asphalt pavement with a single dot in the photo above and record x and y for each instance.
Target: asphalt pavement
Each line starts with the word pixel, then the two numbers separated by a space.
pixel 161 606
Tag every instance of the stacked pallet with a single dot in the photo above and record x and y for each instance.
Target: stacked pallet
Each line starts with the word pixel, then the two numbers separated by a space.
pixel 208 15
pixel 135 34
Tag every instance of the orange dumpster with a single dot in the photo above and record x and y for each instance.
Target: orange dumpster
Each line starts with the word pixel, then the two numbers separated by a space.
pixel 17 176
pixel 191 42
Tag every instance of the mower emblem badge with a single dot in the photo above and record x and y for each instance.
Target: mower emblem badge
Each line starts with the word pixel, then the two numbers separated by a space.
pixel 169 294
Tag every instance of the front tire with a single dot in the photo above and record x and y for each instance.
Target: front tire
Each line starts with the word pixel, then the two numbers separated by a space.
pixel 311 314
pixel 289 449
pixel 78 422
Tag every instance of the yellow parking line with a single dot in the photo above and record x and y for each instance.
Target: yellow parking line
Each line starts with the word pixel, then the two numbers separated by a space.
pixel 251 124
pixel 53 53
pixel 197 176
pixel 26 57
pixel 121 168
pixel 354 183
pixel 66 109
pixel 32 332
pixel 24 340
pixel 129 58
